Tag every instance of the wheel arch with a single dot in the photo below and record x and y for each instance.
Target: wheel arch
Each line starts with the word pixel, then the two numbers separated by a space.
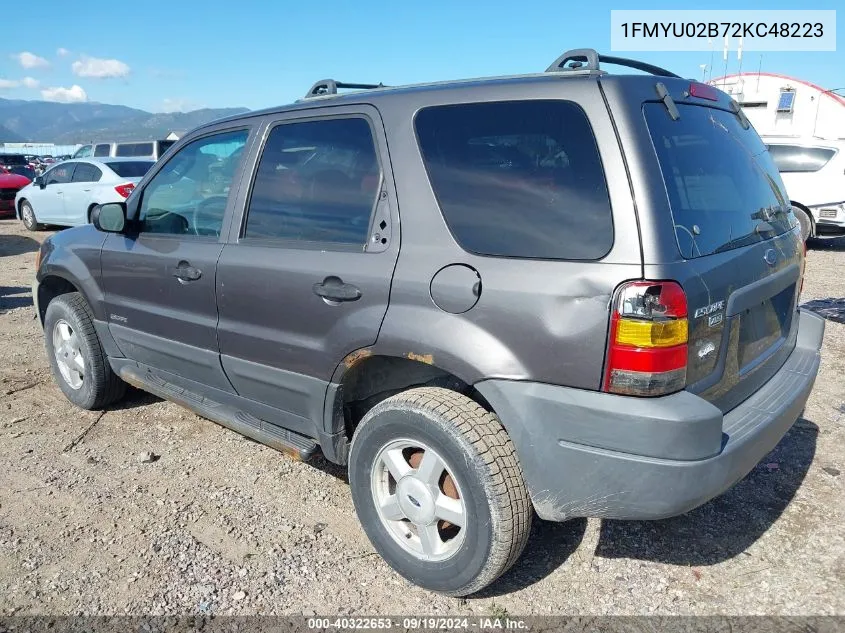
pixel 809 213
pixel 364 378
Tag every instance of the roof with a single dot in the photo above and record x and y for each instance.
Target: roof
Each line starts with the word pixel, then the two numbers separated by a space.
pixel 837 98
pixel 374 95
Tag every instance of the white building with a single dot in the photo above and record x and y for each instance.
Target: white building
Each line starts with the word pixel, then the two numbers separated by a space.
pixel 786 106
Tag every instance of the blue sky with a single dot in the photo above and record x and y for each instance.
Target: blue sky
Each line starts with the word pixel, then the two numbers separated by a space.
pixel 164 56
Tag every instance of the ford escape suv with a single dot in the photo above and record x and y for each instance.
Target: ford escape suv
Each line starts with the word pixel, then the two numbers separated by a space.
pixel 568 293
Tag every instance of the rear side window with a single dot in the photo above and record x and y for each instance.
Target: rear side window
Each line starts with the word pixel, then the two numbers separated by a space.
pixel 317 181
pixel 724 189
pixel 102 150
pixel 134 149
pixel 130 168
pixel 792 158
pixel 86 172
pixel 518 178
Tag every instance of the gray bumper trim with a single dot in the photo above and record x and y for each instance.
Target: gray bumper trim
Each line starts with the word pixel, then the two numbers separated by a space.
pixel 600 455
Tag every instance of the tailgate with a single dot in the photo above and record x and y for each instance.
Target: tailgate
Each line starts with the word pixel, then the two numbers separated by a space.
pixel 741 259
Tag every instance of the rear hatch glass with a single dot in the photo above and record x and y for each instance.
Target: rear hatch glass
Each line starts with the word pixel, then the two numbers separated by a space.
pixel 733 225
pixel 724 189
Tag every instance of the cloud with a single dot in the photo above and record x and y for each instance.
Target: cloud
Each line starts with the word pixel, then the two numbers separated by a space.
pixel 30 82
pixel 30 60
pixel 179 105
pixel 62 52
pixel 6 84
pixel 99 68
pixel 74 94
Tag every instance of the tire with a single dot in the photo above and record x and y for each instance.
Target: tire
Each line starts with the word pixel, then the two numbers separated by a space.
pixel 69 335
pixel 487 484
pixel 28 217
pixel 805 222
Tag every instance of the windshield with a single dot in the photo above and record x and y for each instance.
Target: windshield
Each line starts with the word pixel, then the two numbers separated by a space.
pixel 724 189
pixel 130 168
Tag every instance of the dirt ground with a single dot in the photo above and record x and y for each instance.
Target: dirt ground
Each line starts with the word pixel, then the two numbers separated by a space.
pixel 219 524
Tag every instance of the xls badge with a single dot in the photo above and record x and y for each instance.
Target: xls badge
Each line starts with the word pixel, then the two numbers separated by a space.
pixel 713 312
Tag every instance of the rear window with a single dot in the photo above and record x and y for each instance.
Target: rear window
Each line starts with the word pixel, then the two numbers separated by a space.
pixel 518 178
pixel 134 149
pixel 163 146
pixel 13 159
pixel 131 168
pixel 723 187
pixel 792 158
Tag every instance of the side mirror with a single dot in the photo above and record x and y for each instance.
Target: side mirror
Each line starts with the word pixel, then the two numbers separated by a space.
pixel 109 218
pixel 39 181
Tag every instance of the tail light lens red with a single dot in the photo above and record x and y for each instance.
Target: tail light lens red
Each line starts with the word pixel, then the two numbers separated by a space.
pixel 703 91
pixel 647 347
pixel 125 190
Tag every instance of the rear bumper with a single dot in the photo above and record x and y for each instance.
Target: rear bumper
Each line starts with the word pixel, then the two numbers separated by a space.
pixel 600 455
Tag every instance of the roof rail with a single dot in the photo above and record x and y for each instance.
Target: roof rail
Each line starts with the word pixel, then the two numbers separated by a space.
pixel 330 87
pixel 578 57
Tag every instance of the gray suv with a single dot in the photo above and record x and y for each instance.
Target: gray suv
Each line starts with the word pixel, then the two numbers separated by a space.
pixel 568 293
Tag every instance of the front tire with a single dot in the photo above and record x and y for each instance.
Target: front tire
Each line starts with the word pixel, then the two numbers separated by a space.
pixel 439 490
pixel 28 217
pixel 79 364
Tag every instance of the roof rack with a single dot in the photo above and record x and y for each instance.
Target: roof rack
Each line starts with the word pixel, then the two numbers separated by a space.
pixel 578 57
pixel 330 87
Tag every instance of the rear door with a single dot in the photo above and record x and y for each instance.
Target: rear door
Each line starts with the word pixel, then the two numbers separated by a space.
pixel 306 278
pixel 160 279
pixel 740 258
pixel 77 193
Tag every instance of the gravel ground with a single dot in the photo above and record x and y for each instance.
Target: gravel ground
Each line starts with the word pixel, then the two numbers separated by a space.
pixel 148 509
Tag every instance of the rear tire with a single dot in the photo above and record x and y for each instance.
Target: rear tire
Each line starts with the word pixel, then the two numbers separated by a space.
pixel 28 217
pixel 804 221
pixel 79 364
pixel 430 453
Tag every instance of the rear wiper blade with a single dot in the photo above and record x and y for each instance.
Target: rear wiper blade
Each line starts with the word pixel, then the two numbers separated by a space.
pixel 667 100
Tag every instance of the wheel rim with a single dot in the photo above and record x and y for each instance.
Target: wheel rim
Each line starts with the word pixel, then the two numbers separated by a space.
pixel 419 500
pixel 68 354
pixel 28 215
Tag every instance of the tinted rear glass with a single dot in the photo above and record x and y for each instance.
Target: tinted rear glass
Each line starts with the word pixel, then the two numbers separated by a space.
pixel 131 168
pixel 723 187
pixel 518 178
pixel 791 158
pixel 13 159
pixel 163 146
pixel 134 149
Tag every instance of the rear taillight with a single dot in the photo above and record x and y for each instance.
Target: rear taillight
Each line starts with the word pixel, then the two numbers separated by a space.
pixel 647 348
pixel 125 190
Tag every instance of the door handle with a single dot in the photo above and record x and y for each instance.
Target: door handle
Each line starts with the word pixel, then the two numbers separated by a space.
pixel 185 272
pixel 333 289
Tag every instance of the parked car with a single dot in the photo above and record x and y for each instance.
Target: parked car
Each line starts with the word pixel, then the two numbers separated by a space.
pixel 593 311
pixel 10 184
pixel 13 160
pixel 21 170
pixel 813 171
pixel 135 149
pixel 66 194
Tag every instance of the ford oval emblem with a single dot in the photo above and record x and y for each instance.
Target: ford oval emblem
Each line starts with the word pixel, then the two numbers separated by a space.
pixel 771 257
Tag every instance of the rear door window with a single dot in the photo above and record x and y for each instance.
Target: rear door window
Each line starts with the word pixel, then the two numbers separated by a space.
pixel 794 158
pixel 724 189
pixel 102 150
pixel 134 149
pixel 85 172
pixel 518 178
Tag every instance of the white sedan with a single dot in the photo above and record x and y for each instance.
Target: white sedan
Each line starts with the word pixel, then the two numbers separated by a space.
pixel 66 194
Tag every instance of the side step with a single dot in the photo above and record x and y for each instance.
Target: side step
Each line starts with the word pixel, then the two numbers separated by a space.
pixel 293 444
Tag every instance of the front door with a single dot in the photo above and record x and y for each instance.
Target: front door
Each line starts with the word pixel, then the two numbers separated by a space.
pixel 306 277
pixel 159 279
pixel 49 201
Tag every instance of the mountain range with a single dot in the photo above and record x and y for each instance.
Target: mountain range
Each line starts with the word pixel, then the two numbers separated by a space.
pixel 69 123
